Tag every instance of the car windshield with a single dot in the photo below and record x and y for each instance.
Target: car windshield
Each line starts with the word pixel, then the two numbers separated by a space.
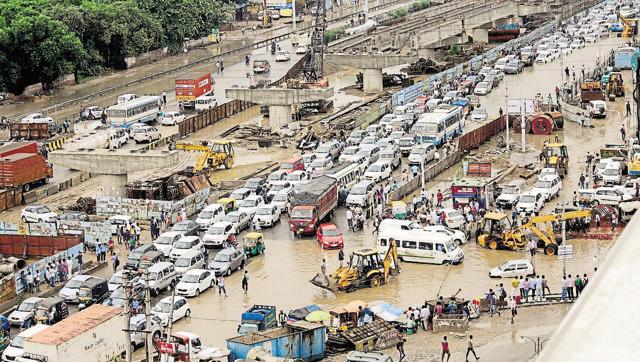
pixel 205 214
pixel 611 171
pixel 180 227
pixel 331 232
pixel 252 184
pixel 358 190
pixel 504 266
pixel 183 245
pixel 528 199
pixel 323 149
pixel 183 262
pixel 190 278
pixel 222 257
pixel 375 168
pixel 215 230
pixel 136 254
pixel 396 135
pixel 406 142
pixel 316 163
pixel 74 284
pixel 230 218
pixel 26 306
pixel 368 141
pixel 276 188
pixel 543 185
pixel 301 213
pixel 387 155
pixel 431 128
pixel 263 211
pixel 509 190
pixel 350 151
pixel 450 245
pixel 275 176
pixel 247 203
pixel 163 307
pixel 115 279
pixel 293 177
pixel 164 240
pixel 280 197
pixel 18 342
pixel 419 151
pixel 41 210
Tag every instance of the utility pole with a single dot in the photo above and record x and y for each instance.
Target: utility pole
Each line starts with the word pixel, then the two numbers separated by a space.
pixel 523 125
pixel 173 297
pixel 293 6
pixel 564 240
pixel 265 13
pixel 125 285
pixel 506 111
pixel 147 314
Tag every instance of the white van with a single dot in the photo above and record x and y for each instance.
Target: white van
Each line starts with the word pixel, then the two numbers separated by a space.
pixel 205 102
pixel 501 63
pixel 598 109
pixel 421 246
pixel 210 215
pixel 612 174
pixel 162 275
pixel 117 138
pixel 15 348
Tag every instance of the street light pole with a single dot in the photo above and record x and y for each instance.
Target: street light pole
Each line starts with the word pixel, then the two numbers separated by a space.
pixel 422 173
pixel 506 111
pixel 523 125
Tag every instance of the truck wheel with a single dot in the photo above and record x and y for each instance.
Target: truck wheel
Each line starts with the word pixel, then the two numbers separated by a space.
pixel 551 249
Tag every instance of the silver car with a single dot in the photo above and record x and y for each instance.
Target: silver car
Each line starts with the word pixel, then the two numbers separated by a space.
pixel 227 260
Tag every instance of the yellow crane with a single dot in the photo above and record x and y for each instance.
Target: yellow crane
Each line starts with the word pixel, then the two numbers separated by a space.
pixel 630 25
pixel 498 233
pixel 212 154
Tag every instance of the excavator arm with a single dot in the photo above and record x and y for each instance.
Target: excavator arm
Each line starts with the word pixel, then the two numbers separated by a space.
pixel 391 256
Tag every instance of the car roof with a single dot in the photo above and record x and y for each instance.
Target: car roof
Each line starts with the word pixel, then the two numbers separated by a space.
pixel 196 271
pixel 189 253
pixel 519 261
pixel 212 207
pixel 189 237
pixel 222 224
pixel 228 251
pixel 329 226
pixel 159 266
pixel 364 183
pixel 168 299
pixel 171 233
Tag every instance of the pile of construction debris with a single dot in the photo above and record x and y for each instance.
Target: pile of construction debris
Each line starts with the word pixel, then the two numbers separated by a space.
pixel 83 204
pixel 174 187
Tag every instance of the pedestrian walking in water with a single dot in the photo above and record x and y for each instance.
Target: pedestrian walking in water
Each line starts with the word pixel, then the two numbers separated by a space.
pixel 245 281
pixel 566 72
pixel 323 266
pixel 470 349
pixel 340 257
pixel 570 285
pixel 513 306
pixel 164 98
pixel 445 349
pixel 400 347
pixel 221 288
pixel 628 108
pixel 623 133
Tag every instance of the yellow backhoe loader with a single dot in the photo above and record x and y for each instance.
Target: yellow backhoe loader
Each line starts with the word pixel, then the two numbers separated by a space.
pixel 212 154
pixel 365 269
pixel 498 233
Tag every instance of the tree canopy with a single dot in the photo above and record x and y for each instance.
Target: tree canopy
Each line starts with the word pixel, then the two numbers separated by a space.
pixel 42 40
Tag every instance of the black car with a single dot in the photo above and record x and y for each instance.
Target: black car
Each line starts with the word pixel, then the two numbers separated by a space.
pixel 135 256
pixel 186 227
pixel 52 310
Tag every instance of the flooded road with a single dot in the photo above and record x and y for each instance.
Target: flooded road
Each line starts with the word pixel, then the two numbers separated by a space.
pixel 281 276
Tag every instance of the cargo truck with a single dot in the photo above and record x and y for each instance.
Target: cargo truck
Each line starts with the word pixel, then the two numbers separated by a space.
pixel 94 334
pixel 191 87
pixel 24 170
pixel 12 148
pixel 258 318
pixel 312 203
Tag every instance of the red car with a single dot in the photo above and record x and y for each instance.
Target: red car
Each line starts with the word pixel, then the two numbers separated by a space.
pixel 329 236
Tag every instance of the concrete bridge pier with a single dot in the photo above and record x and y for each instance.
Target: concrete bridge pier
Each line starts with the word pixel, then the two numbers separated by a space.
pixel 113 185
pixel 371 65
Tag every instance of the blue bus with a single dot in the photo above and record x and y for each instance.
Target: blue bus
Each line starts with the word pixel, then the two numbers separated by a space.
pixel 439 126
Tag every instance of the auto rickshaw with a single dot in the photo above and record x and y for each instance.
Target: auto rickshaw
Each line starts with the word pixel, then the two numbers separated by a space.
pixel 92 291
pixel 51 311
pixel 399 210
pixel 253 244
pixel 228 203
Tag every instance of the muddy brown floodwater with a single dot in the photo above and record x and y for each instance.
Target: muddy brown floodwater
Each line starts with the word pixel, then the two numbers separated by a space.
pixel 281 276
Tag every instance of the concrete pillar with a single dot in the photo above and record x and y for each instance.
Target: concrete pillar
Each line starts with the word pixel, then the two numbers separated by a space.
pixel 279 116
pixel 113 185
pixel 480 35
pixel 372 79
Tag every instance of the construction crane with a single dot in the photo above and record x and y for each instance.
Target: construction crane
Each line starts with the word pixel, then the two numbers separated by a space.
pixel 313 67
pixel 211 154
pixel 630 26
pixel 498 233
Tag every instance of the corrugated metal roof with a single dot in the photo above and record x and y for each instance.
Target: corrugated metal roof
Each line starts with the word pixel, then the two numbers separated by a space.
pixel 76 324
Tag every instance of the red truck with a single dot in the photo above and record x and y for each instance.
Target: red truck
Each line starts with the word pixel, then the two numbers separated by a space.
pixel 191 87
pixel 24 170
pixel 311 203
pixel 18 147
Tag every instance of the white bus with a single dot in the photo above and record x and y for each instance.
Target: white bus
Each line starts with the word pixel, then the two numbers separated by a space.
pixel 346 173
pixel 439 126
pixel 138 110
pixel 420 246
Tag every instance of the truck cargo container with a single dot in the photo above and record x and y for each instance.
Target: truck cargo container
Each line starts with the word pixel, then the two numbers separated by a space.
pixel 18 147
pixel 258 318
pixel 311 203
pixel 94 334
pixel 191 87
pixel 24 170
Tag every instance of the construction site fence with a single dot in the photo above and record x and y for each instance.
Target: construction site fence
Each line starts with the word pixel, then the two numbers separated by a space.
pixel 39 266
pixel 473 139
pixel 228 109
pixel 29 246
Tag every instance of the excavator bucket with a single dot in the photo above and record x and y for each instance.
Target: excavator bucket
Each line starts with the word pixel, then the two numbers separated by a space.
pixel 322 281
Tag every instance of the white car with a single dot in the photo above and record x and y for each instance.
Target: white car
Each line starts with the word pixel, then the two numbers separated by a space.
pixel 298 177
pixel 283 56
pixel 218 234
pixel 422 153
pixel 277 187
pixel 482 88
pixel 591 38
pixel 545 56
pixel 146 134
pixel 349 154
pixel 546 172
pixel 267 215
pixel 510 194
pixel 457 236
pixel 609 196
pixel 194 282
pixel 171 118
pixel 240 221
pixel 479 114
pixel 451 96
pixel 250 204
pixel 181 309
pixel 70 290
pixel 241 193
pixel 597 109
pixel 116 280
pixel 192 259
pixel 453 218
pixel 381 170
pixel 26 310
pixel 183 245
pixel 165 241
pixel 36 118
pixel 301 49
pixel 282 199
pixel 277 175
pixel 530 203
pixel 549 187
pixel 513 268
pixel 210 215
pixel 38 213
pixel 318 166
